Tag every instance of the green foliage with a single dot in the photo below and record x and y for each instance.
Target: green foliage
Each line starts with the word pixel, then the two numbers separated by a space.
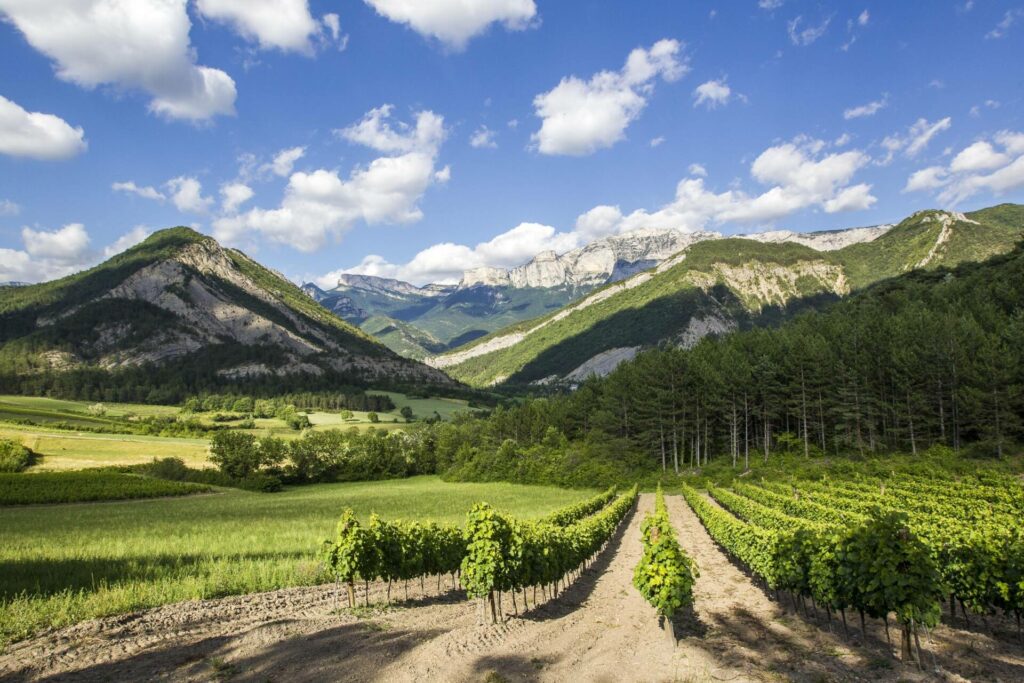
pixel 86 486
pixel 665 573
pixel 14 457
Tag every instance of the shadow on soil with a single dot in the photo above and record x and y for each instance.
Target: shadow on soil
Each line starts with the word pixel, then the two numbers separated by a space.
pixel 346 652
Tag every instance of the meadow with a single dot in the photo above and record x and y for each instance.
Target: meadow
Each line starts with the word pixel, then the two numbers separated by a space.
pixel 61 564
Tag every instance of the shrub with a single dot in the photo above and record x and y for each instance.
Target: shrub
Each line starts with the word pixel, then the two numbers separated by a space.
pixel 14 457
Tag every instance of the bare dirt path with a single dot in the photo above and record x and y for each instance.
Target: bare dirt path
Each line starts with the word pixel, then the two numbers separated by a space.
pixel 599 629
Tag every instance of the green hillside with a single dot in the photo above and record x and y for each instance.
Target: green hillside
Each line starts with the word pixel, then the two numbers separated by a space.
pixel 732 282
pixel 177 314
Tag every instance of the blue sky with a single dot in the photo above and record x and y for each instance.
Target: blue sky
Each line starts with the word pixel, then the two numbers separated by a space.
pixel 328 135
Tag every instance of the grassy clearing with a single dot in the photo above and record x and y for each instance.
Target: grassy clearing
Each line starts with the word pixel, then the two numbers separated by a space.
pixel 81 487
pixel 63 564
pixel 62 450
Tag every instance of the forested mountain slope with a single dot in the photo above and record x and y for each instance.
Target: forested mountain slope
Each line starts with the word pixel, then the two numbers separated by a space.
pixel 179 312
pixel 929 358
pixel 716 286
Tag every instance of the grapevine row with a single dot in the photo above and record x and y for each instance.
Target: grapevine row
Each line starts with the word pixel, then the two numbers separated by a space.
pixel 665 573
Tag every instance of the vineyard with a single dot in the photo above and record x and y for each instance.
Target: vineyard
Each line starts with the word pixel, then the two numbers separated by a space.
pixel 876 546
pixel 493 555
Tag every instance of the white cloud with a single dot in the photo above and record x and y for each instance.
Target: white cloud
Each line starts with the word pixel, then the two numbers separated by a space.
pixel 9 208
pixel 981 156
pixel 284 161
pixel 869 109
pixel 808 34
pixel 187 195
pixel 658 141
pixel 995 166
pixel 127 240
pixel 234 195
pixel 798 176
pixel 37 135
pixel 712 94
pixel 147 192
pixel 455 22
pixel 483 137
pixel 930 178
pixel 698 170
pixel 284 25
pixel 580 117
pixel 855 198
pixel 1011 17
pixel 322 204
pixel 47 255
pixel 918 135
pixel 67 244
pixel 375 131
pixel 769 4
pixel 129 44
pixel 864 18
pixel 444 175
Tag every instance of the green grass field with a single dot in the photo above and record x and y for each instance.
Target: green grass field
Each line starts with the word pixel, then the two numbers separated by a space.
pixel 63 450
pixel 64 563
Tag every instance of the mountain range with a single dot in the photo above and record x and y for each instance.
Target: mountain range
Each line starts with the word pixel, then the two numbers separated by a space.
pixel 716 285
pixel 480 324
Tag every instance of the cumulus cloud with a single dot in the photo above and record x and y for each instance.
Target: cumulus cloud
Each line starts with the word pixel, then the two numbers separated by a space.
pixel 482 138
pixel 376 132
pixel 995 166
pixel 869 109
pixel 658 141
pixel 36 135
pixel 769 4
pixel 187 195
pixel 233 195
pixel 698 170
pixel 147 192
pixel 916 139
pixel 130 44
pixel 803 34
pixel 455 22
pixel 285 25
pixel 9 208
pixel 323 204
pixel 711 94
pixel 580 117
pixel 798 175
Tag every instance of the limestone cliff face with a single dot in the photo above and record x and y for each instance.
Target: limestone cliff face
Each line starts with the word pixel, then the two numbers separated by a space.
pixel 598 263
